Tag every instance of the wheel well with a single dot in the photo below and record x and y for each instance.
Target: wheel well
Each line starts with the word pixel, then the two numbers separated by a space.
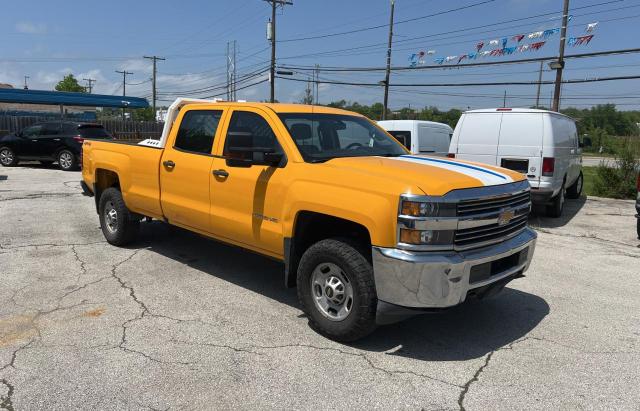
pixel 311 227
pixel 104 179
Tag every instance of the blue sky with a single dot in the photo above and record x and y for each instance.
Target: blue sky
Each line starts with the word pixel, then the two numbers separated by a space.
pixel 46 39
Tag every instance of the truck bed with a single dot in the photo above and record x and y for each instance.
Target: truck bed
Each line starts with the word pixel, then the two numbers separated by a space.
pixel 136 167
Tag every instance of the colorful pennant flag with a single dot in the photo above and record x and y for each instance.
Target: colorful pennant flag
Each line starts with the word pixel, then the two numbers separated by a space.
pixel 591 26
pixel 518 37
pixel 480 45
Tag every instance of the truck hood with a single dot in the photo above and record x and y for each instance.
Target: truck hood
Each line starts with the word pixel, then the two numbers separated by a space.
pixel 434 175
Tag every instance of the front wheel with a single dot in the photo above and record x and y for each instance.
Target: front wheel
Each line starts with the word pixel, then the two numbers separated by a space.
pixel 7 157
pixel 337 291
pixel 575 190
pixel 118 225
pixel 67 160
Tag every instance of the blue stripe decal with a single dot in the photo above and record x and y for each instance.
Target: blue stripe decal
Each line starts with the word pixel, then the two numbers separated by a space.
pixel 451 163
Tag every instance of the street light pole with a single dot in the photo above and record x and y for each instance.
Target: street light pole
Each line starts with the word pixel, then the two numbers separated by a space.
pixel 560 65
pixel 388 71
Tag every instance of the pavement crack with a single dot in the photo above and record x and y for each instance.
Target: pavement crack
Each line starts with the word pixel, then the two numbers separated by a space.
pixel 586 236
pixel 480 370
pixel 370 363
pixel 16 247
pixel 6 401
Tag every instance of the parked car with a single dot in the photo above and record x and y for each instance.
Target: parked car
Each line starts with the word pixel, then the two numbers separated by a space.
pixel 638 206
pixel 541 144
pixel 368 233
pixel 55 141
pixel 420 137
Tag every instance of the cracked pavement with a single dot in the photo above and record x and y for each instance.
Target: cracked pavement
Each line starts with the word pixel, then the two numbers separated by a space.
pixel 179 321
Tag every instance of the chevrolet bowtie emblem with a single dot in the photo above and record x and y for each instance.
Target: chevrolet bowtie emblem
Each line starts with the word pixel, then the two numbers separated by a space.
pixel 505 217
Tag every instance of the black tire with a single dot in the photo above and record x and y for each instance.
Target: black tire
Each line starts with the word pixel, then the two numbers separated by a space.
pixel 67 161
pixel 554 209
pixel 357 274
pixel 8 157
pixel 575 190
pixel 119 228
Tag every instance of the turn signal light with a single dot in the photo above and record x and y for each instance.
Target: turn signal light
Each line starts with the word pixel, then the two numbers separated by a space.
pixel 415 236
pixel 548 166
pixel 451 155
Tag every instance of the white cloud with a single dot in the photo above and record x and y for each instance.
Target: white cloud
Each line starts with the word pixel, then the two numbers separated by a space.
pixel 28 27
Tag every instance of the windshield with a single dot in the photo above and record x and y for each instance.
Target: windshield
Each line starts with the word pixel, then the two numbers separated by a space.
pixel 321 137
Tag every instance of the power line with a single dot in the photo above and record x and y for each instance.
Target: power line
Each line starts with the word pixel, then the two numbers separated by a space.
pixel 501 83
pixel 387 25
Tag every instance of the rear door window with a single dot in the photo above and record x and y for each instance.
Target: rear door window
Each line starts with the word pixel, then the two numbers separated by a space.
pixel 521 129
pixel 94 131
pixel 480 129
pixel 197 131
pixel 33 131
pixel 51 129
pixel 402 136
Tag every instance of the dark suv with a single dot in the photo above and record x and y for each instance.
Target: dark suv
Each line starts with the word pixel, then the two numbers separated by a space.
pixel 55 141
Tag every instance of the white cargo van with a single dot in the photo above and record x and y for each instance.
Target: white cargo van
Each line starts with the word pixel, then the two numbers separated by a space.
pixel 420 137
pixel 541 144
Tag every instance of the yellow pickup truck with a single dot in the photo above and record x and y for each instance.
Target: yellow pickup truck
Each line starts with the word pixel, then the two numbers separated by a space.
pixel 368 233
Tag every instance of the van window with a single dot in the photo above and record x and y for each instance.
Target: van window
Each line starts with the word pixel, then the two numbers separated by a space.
pixel 521 129
pixel 402 136
pixel 480 129
pixel 197 130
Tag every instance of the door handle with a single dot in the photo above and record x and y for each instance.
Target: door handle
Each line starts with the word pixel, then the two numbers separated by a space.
pixel 220 173
pixel 168 164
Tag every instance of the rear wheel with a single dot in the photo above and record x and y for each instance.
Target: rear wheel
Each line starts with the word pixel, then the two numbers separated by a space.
pixel 554 209
pixel 7 157
pixel 67 160
pixel 575 190
pixel 337 291
pixel 118 225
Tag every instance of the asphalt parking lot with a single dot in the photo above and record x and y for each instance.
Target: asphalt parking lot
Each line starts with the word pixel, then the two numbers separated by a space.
pixel 181 322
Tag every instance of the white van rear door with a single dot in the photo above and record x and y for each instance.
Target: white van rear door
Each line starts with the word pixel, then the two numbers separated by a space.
pixel 520 144
pixel 478 137
pixel 426 140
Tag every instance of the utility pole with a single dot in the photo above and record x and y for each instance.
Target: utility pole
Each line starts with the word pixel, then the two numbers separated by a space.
pixel 231 70
pixel 539 84
pixel 26 86
pixel 388 72
pixel 90 81
pixel 124 87
pixel 271 35
pixel 560 62
pixel 153 80
pixel 316 91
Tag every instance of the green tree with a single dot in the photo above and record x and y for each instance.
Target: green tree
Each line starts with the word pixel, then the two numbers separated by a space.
pixel 70 83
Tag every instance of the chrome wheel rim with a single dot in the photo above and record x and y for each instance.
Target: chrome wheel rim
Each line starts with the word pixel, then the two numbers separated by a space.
pixel 6 156
pixel 331 291
pixel 111 217
pixel 65 160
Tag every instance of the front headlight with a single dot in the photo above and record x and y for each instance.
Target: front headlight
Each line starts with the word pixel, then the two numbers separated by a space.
pixel 426 237
pixel 418 208
pixel 425 221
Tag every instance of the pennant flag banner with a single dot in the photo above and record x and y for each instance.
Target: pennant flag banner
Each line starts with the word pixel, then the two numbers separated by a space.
pixel 578 41
pixel 502 46
pixel 591 26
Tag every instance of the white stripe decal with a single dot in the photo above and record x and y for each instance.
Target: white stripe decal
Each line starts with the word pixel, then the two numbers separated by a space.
pixel 484 175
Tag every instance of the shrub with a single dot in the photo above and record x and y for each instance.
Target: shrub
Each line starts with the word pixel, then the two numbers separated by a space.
pixel 618 181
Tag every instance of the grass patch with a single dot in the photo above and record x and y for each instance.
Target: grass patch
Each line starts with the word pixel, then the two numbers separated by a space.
pixel 589 174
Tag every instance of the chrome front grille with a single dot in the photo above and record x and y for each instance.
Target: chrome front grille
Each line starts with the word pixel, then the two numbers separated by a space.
pixel 483 221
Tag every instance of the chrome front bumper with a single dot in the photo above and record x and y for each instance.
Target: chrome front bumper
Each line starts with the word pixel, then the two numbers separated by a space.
pixel 442 279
